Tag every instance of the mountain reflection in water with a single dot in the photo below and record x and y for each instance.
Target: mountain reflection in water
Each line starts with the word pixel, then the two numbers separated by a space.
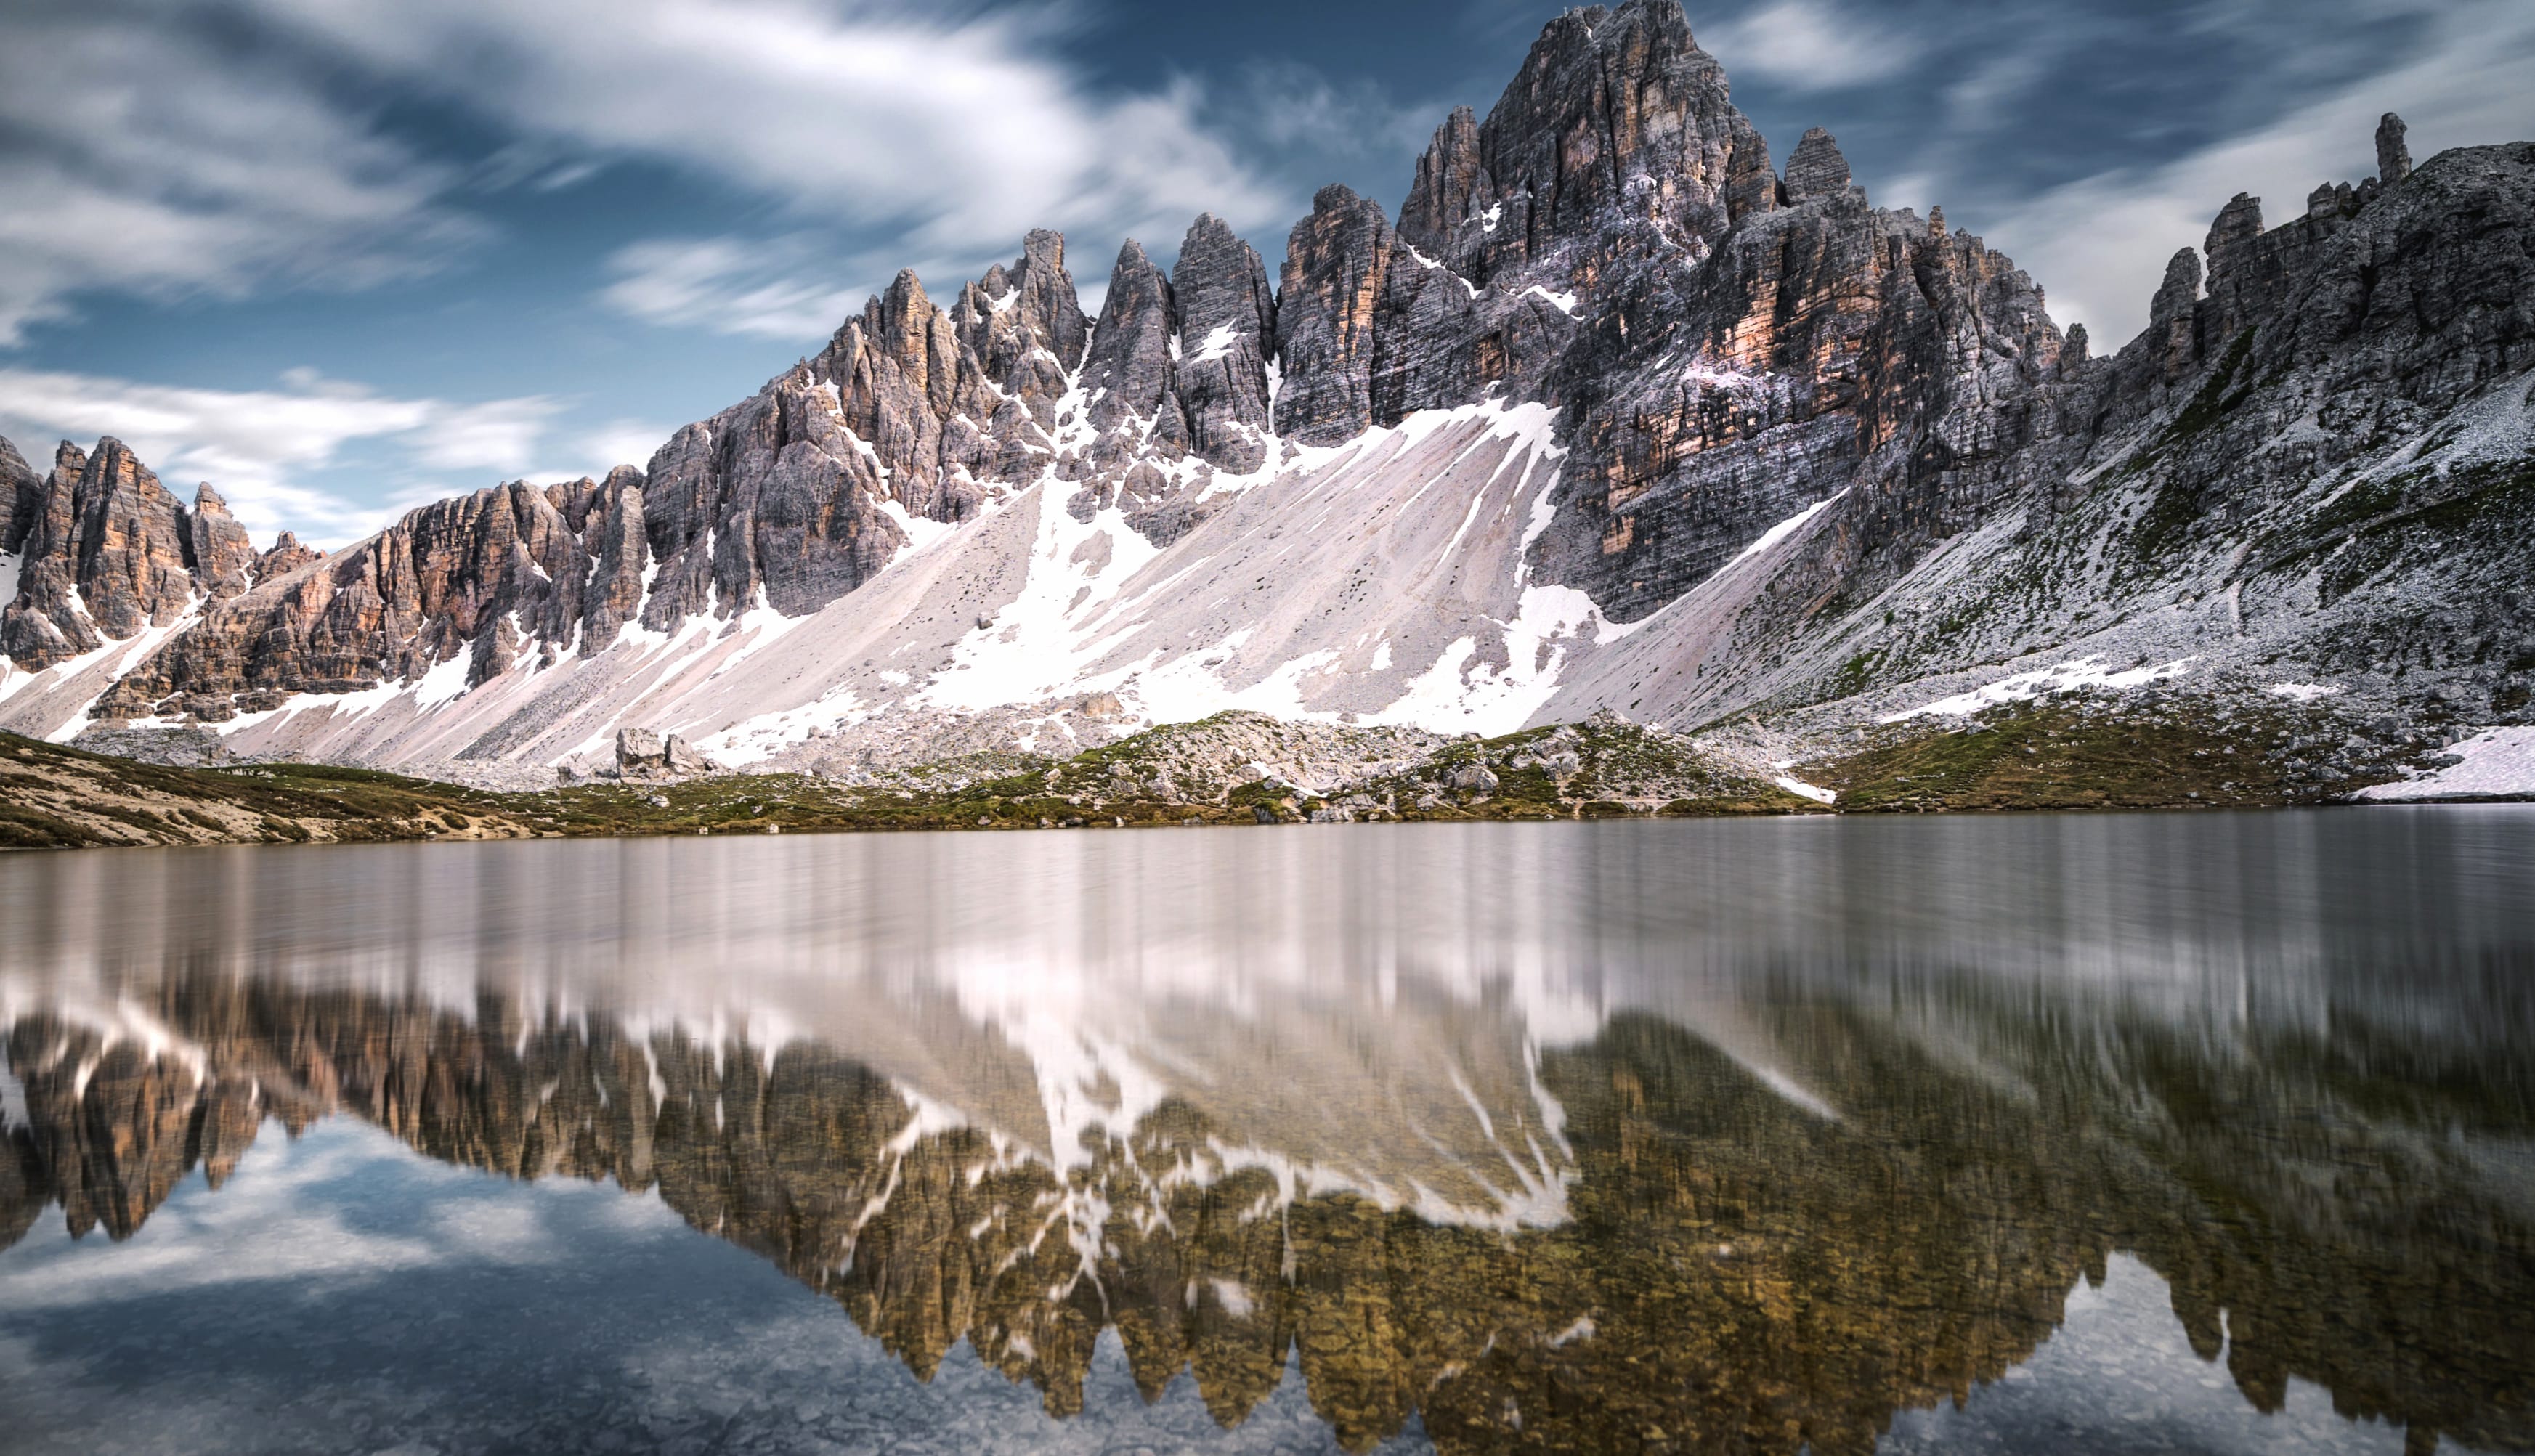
pixel 1700 1137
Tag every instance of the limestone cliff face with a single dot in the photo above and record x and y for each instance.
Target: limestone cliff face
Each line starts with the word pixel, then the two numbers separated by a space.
pixel 1225 331
pixel 21 498
pixel 105 551
pixel 1337 265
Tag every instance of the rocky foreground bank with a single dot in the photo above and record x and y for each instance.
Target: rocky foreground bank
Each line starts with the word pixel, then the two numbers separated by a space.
pixel 2068 752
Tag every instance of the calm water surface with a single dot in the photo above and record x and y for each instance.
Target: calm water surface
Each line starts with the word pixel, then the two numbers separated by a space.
pixel 2092 1134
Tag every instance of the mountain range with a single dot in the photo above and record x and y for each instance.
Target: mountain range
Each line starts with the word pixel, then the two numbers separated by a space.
pixel 1616 414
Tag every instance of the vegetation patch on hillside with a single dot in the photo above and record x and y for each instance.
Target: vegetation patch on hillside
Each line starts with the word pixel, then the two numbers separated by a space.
pixel 2071 751
pixel 2086 750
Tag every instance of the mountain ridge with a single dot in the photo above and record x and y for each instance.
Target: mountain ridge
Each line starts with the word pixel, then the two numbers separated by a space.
pixel 1615 415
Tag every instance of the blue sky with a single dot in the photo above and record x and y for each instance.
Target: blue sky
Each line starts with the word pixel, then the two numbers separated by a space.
pixel 339 257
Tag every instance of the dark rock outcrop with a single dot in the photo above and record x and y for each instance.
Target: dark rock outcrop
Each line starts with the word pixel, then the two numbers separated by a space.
pixel 224 560
pixel 1126 375
pixel 2393 156
pixel 288 554
pixel 1226 327
pixel 1816 169
pixel 22 500
pixel 641 753
pixel 1335 262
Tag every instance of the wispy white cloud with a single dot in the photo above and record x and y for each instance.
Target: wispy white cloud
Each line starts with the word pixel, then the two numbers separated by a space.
pixel 955 131
pixel 143 159
pixel 1990 94
pixel 767 288
pixel 259 446
pixel 159 148
pixel 1810 45
pixel 1294 106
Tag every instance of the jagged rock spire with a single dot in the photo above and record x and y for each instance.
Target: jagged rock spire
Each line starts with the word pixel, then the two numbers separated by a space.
pixel 1227 325
pixel 222 556
pixel 2237 225
pixel 2393 156
pixel 290 553
pixel 1334 264
pixel 20 500
pixel 1448 177
pixel 1128 370
pixel 2172 334
pixel 1816 168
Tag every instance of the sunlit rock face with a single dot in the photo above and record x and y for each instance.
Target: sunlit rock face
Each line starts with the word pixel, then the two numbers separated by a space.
pixel 1757 1144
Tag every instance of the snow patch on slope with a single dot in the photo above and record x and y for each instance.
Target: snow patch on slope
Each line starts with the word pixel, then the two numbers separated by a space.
pixel 2494 763
pixel 444 680
pixel 1782 532
pixel 2090 672
pixel 1034 648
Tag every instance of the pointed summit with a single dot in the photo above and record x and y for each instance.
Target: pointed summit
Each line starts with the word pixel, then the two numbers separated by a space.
pixel 1128 370
pixel 1227 322
pixel 1816 169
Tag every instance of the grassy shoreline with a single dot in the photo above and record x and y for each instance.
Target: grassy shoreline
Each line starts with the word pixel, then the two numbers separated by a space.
pixel 2052 754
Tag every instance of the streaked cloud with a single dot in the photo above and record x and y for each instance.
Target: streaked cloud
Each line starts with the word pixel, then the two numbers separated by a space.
pixel 767 288
pixel 957 132
pixel 1808 45
pixel 144 156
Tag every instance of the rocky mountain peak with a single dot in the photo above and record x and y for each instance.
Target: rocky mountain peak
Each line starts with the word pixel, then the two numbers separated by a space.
pixel 22 500
pixel 107 554
pixel 1616 117
pixel 1127 372
pixel 1450 178
pixel 217 548
pixel 1227 324
pixel 1047 303
pixel 287 554
pixel 1335 262
pixel 1816 169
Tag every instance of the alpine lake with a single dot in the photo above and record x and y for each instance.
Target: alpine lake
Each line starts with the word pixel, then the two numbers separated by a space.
pixel 2195 1132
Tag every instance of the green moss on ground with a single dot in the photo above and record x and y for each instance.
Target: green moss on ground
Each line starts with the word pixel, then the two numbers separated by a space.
pixel 2065 753
pixel 2073 752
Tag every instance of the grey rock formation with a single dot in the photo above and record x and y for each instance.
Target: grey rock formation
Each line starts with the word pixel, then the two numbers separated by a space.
pixel 618 551
pixel 287 555
pixel 105 554
pixel 1227 326
pixel 22 500
pixel 224 560
pixel 2394 157
pixel 1127 373
pixel 641 753
pixel 1335 262
pixel 1816 168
